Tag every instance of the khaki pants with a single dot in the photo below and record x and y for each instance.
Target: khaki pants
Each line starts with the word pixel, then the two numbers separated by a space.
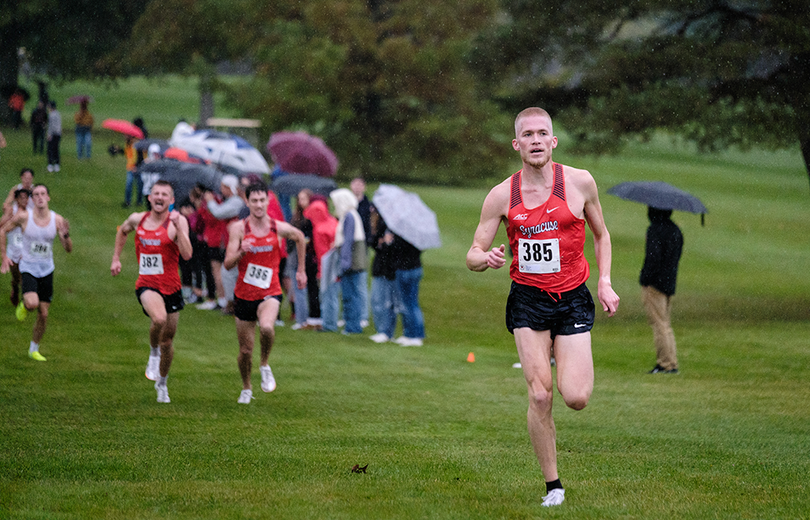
pixel 658 306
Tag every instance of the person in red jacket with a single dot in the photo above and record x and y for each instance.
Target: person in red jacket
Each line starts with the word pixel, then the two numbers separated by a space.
pixel 254 247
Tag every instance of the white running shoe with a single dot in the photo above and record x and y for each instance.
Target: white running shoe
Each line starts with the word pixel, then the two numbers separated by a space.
pixel 245 397
pixel 298 326
pixel 380 337
pixel 555 497
pixel 409 342
pixel 210 305
pixel 363 323
pixel 268 381
pixel 153 368
pixel 162 393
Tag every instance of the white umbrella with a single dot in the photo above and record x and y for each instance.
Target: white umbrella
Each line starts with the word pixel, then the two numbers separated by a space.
pixel 407 216
pixel 219 148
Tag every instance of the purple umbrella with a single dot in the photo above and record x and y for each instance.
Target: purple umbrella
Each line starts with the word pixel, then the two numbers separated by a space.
pixel 299 152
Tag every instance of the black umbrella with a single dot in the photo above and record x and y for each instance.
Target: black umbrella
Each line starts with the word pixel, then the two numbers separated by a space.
pixel 294 183
pixel 659 195
pixel 183 176
pixel 143 144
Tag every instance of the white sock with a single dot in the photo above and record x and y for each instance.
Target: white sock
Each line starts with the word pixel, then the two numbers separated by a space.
pixel 34 347
pixel 222 302
pixel 154 351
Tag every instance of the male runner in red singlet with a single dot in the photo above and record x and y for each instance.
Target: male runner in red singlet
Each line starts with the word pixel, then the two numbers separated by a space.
pixel 253 245
pixel 545 207
pixel 161 237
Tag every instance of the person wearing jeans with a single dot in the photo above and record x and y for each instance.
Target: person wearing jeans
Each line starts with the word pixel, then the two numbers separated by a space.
pixel 408 277
pixel 350 246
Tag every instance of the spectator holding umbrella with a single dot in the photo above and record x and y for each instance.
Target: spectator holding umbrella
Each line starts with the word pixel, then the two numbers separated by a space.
pixel 658 276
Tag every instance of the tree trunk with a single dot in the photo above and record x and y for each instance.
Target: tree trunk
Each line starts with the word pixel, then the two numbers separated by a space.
pixel 9 69
pixel 206 107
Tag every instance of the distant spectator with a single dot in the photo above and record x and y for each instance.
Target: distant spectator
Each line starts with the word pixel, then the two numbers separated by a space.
pixel 383 280
pixel 54 137
pixel 39 125
pixel 350 246
pixel 658 277
pixel 84 126
pixel 17 104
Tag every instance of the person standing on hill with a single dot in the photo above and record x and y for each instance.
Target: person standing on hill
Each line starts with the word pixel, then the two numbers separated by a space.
pixel 54 137
pixel 40 226
pixel 161 237
pixel 545 207
pixel 254 247
pixel 84 126
pixel 658 277
pixel 39 125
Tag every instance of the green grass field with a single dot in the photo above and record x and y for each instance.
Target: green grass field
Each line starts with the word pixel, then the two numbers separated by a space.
pixel 81 435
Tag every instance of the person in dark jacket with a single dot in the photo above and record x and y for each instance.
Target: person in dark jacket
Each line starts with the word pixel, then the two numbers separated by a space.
pixel 658 277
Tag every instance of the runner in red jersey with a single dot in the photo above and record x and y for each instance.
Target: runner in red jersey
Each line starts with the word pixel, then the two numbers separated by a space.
pixel 545 207
pixel 254 245
pixel 161 238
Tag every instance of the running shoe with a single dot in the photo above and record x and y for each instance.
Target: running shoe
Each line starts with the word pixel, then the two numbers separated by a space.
pixel 153 368
pixel 380 337
pixel 21 312
pixel 555 497
pixel 162 393
pixel 36 355
pixel 268 381
pixel 245 397
pixel 210 305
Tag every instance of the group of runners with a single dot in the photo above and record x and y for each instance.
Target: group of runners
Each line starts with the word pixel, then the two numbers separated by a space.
pixel 544 207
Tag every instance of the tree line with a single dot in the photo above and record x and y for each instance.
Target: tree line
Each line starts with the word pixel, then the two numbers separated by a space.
pixel 425 90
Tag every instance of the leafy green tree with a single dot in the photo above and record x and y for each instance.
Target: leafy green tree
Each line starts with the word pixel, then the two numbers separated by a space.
pixel 63 39
pixel 718 72
pixel 385 83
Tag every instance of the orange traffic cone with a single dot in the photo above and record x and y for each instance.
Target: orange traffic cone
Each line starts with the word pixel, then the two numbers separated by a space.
pixel 471 358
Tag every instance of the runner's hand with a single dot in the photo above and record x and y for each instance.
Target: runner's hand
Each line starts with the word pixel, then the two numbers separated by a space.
pixel 496 257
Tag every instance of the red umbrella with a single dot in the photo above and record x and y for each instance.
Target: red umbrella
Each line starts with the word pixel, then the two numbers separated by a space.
pixel 123 127
pixel 299 152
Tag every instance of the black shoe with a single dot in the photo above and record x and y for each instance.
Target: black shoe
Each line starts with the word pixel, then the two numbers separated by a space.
pixel 124 205
pixel 658 369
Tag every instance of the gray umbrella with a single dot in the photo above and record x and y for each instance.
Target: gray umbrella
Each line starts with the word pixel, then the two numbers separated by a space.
pixel 407 216
pixel 658 195
pixel 292 184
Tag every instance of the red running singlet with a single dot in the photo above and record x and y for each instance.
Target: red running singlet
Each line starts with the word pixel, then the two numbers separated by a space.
pixel 158 258
pixel 547 242
pixel 258 269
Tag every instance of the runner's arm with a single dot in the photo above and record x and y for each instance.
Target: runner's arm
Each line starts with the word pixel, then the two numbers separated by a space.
pixel 63 231
pixel 293 233
pixel 234 252
pixel 121 240
pixel 181 234
pixel 601 245
pixel 480 257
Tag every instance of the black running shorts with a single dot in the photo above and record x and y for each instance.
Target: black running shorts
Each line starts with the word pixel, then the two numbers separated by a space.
pixel 173 302
pixel 248 310
pixel 563 314
pixel 42 286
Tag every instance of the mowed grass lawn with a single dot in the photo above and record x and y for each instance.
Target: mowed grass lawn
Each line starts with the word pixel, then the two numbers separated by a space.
pixel 81 435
